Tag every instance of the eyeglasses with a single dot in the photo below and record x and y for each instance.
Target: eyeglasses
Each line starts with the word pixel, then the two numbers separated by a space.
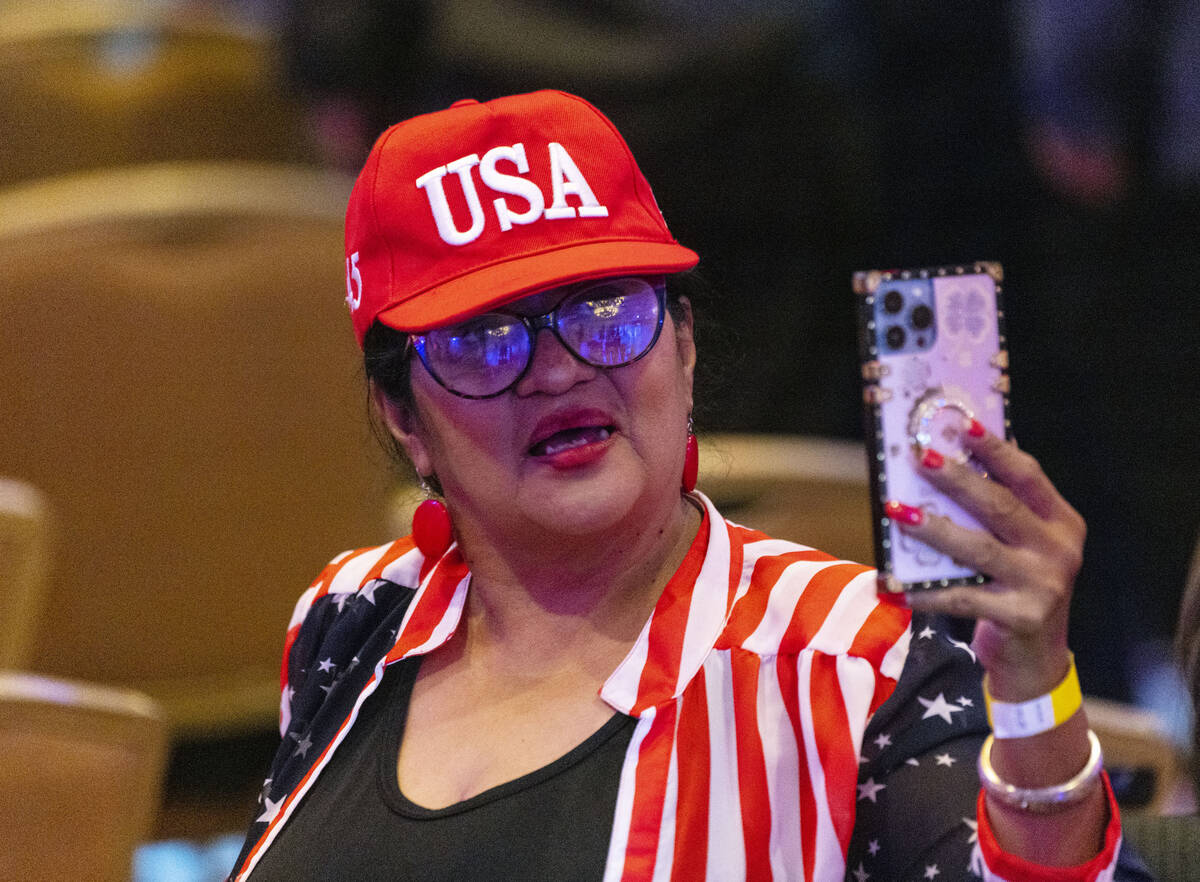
pixel 609 323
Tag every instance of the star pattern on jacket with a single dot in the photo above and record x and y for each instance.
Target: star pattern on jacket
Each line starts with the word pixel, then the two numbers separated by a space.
pixel 938 707
pixel 917 788
pixel 869 789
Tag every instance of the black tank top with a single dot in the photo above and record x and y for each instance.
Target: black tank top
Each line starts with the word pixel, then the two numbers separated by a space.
pixel 355 824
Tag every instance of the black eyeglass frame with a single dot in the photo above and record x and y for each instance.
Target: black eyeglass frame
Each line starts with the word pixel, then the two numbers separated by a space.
pixel 548 320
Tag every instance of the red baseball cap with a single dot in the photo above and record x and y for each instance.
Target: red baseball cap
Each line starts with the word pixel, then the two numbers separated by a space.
pixel 462 210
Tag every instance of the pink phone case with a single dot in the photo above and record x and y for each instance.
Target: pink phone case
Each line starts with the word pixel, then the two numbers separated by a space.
pixel 934 357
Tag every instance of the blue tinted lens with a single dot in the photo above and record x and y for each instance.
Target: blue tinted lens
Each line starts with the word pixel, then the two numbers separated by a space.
pixel 476 358
pixel 611 323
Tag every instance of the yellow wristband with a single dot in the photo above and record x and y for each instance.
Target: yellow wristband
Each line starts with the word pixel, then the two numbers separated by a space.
pixel 1041 714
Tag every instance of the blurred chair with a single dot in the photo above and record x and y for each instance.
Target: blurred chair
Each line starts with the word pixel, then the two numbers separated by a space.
pixel 182 384
pixel 809 490
pixel 1146 767
pixel 23 561
pixel 91 83
pixel 80 772
pixel 1138 744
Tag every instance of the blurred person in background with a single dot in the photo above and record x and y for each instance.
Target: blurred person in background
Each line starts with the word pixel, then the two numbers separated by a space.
pixel 356 68
pixel 1187 652
pixel 1110 100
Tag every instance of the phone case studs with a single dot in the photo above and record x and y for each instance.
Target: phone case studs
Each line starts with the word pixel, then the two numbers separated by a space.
pixel 866 282
pixel 873 371
pixel 993 269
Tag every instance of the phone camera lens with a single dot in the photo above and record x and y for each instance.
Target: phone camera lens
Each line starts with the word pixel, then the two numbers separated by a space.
pixel 895 336
pixel 922 317
pixel 893 302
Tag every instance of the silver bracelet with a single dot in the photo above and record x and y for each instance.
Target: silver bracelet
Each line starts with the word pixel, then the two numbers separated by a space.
pixel 1041 799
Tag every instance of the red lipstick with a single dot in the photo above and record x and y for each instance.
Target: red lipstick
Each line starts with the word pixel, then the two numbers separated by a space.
pixel 571 438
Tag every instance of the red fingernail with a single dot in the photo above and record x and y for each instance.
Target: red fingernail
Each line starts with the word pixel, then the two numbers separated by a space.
pixel 904 514
pixel 932 459
pixel 975 430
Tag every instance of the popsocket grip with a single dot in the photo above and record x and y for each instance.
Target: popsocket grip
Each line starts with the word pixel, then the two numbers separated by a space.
pixel 938 421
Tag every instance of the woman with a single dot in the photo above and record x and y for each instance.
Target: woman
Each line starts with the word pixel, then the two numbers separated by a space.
pixel 582 670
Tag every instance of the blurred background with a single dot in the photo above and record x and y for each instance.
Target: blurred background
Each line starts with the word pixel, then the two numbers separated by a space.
pixel 183 435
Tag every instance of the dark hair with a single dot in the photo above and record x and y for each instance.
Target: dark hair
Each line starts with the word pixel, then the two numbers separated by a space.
pixel 388 367
pixel 386 362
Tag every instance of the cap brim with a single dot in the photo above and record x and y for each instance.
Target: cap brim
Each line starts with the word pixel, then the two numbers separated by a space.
pixel 501 283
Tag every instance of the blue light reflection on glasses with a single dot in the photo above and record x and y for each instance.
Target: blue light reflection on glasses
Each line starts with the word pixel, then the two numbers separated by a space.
pixel 485 356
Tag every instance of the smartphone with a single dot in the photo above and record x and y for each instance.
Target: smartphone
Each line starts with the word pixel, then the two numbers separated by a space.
pixel 934 357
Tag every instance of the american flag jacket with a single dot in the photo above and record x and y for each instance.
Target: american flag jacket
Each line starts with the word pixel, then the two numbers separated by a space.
pixel 752 683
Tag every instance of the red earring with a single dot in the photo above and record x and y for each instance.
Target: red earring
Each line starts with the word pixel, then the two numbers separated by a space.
pixel 691 460
pixel 431 527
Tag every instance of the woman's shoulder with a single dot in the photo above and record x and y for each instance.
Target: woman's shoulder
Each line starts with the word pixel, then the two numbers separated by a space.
pixel 352 590
pixel 352 571
pixel 345 621
pixel 792 597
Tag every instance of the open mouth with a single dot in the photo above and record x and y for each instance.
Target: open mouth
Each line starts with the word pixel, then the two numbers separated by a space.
pixel 569 439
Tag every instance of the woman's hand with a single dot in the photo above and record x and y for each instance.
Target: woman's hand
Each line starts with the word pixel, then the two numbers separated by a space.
pixel 1032 547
